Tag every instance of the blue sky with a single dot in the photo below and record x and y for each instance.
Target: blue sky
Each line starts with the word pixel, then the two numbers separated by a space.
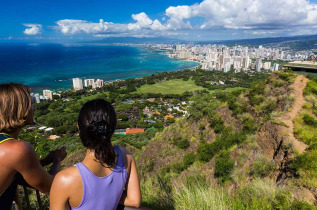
pixel 183 19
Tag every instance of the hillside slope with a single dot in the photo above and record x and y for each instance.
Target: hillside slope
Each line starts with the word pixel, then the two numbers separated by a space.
pixel 235 151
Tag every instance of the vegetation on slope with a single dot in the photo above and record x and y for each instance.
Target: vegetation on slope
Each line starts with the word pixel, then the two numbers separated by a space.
pixel 226 159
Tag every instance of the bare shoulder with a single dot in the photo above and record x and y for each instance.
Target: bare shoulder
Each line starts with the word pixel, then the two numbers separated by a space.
pixel 20 150
pixel 20 146
pixel 66 183
pixel 67 177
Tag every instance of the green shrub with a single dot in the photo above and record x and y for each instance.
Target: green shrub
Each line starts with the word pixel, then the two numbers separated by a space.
pixel 202 126
pixel 164 170
pixel 227 139
pixel 304 132
pixel 256 99
pixel 257 88
pixel 261 194
pixel 282 200
pixel 249 124
pixel 188 159
pixel 237 105
pixel 279 123
pixel 182 143
pixel 221 95
pixel 302 205
pixel 216 122
pixel 205 152
pixel 286 76
pixel 149 165
pixel 223 166
pixel 269 106
pixel 262 167
pixel 278 82
pixel 310 120
pixel 311 87
pixel 305 165
pixel 177 168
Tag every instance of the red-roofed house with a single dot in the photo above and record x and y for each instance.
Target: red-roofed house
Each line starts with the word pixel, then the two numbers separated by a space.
pixel 134 130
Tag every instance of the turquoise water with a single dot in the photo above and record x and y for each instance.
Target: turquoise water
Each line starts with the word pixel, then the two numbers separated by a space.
pixel 52 66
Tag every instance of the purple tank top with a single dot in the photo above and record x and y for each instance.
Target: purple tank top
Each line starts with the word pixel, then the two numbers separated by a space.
pixel 101 193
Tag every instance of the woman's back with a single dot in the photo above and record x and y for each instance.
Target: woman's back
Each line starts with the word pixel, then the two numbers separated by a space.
pixel 102 192
pixel 107 175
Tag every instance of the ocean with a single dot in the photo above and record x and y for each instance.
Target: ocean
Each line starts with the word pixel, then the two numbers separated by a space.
pixel 52 66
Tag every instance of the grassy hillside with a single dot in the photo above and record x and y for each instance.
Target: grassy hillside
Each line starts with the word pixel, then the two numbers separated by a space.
pixel 231 153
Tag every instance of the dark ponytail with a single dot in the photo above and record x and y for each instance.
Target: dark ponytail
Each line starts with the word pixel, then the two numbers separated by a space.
pixel 97 122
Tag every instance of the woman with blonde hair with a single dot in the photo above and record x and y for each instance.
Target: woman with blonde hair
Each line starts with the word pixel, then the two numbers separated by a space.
pixel 18 160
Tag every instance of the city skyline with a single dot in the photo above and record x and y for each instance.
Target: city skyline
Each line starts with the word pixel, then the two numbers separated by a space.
pixel 187 20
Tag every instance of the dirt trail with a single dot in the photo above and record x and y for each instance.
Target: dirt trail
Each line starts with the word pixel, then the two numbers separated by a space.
pixel 288 117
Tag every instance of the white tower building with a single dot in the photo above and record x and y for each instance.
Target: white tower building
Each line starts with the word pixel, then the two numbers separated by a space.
pixel 88 82
pixel 48 94
pixel 258 65
pixel 78 83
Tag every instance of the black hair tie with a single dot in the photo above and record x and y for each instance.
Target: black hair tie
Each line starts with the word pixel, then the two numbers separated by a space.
pixel 102 127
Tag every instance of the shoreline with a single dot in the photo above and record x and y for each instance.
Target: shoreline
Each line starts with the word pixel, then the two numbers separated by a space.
pixel 60 90
pixel 111 81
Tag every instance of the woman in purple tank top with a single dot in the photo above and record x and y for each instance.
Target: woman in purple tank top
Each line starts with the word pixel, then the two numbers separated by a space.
pixel 107 176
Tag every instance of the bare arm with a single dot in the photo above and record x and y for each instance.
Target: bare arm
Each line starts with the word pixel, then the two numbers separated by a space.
pixel 29 166
pixel 132 194
pixel 59 194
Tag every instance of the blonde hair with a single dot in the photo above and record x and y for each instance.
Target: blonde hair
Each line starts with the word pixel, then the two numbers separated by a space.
pixel 15 106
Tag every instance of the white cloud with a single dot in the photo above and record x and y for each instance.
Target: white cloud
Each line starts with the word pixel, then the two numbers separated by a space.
pixel 248 14
pixel 177 16
pixel 33 29
pixel 258 17
pixel 69 26
pixel 157 26
pixel 143 27
pixel 142 21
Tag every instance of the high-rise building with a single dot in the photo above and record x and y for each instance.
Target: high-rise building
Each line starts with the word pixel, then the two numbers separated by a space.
pixel 237 65
pixel 226 67
pixel 227 61
pixel 275 67
pixel 98 84
pixel 36 97
pixel 282 55
pixel 78 84
pixel 184 55
pixel 246 62
pixel 204 66
pixel 88 82
pixel 221 60
pixel 48 94
pixel 258 64
pixel 267 65
pixel 179 47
